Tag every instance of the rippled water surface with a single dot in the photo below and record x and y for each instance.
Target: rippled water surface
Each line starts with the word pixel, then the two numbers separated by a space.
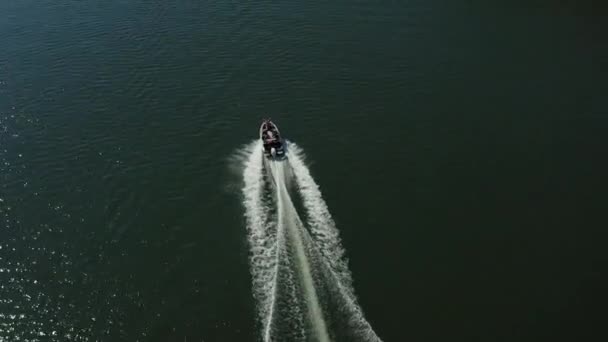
pixel 460 148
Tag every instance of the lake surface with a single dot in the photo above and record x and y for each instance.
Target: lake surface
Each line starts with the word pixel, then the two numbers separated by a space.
pixel 461 150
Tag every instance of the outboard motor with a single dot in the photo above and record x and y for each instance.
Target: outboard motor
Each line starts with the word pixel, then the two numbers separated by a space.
pixel 273 152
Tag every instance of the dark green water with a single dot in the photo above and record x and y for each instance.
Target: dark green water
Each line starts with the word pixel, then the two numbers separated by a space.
pixel 461 151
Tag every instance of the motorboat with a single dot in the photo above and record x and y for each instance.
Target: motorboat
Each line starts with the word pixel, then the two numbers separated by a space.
pixel 273 144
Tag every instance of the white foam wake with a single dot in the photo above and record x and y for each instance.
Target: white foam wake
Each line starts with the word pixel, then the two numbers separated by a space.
pixel 325 235
pixel 291 264
pixel 288 219
pixel 262 235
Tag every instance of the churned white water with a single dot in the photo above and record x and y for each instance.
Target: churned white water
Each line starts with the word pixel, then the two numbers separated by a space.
pixel 285 279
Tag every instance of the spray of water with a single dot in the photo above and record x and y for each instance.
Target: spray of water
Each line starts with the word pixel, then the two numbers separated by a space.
pixel 262 234
pixel 288 220
pixel 292 261
pixel 325 235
